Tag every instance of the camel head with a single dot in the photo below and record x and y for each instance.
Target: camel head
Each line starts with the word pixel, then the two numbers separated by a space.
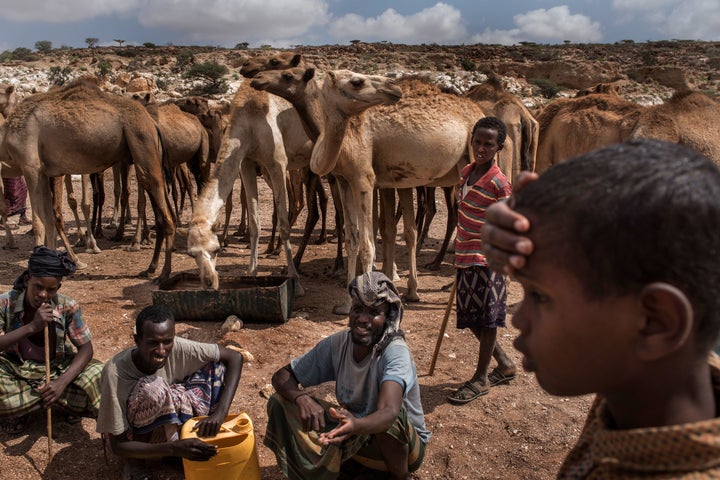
pixel 203 246
pixel 289 84
pixel 352 93
pixel 144 98
pixel 279 61
pixel 8 100
pixel 195 105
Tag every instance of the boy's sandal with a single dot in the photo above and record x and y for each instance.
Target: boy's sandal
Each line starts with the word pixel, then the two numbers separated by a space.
pixel 496 377
pixel 15 425
pixel 467 393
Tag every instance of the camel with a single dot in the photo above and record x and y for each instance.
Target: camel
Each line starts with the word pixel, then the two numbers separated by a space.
pixel 572 126
pixel 688 118
pixel 315 196
pixel 79 129
pixel 263 132
pixel 185 142
pixel 417 140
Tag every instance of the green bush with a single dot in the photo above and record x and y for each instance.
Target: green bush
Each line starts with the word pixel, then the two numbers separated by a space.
pixel 103 68
pixel 183 60
pixel 43 46
pixel 468 65
pixel 149 45
pixel 546 87
pixel 59 76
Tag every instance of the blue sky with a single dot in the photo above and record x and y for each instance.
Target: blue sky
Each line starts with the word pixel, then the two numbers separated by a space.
pixel 282 23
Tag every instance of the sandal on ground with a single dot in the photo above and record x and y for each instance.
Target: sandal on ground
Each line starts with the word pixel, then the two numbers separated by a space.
pixel 496 377
pixel 15 425
pixel 72 419
pixel 467 393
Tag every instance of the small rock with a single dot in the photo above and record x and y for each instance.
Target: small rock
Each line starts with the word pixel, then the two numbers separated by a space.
pixel 231 324
pixel 267 391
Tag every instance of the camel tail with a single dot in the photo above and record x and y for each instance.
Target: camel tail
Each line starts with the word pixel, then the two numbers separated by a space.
pixel 168 174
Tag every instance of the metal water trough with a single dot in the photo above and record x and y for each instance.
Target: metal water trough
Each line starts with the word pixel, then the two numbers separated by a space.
pixel 266 299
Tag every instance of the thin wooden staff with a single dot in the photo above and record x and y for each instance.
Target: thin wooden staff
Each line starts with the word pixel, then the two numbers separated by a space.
pixel 47 382
pixel 448 309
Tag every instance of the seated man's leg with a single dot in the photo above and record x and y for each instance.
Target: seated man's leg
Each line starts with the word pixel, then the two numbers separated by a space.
pixel 17 395
pixel 82 395
pixel 398 451
pixel 298 453
pixel 204 388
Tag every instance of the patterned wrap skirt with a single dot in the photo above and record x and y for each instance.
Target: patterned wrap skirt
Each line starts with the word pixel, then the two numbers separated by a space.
pixel 16 191
pixel 481 298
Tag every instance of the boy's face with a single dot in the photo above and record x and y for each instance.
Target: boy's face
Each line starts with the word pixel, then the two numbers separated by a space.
pixel 484 145
pixel 574 345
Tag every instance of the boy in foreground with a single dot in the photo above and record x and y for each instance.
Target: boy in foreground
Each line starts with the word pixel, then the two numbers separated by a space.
pixel 621 300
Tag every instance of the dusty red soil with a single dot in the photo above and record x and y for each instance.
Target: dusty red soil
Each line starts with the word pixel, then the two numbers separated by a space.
pixel 517 431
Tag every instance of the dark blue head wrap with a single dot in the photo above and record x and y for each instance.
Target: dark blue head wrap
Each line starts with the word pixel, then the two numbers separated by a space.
pixel 46 263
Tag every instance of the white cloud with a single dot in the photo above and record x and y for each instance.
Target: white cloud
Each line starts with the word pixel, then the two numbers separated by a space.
pixel 440 23
pixel 552 25
pixel 236 20
pixel 682 19
pixel 55 11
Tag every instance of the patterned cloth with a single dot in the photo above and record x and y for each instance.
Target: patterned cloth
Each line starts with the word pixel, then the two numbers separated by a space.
pixel 300 455
pixel 481 298
pixel 490 188
pixel 18 383
pixel 689 451
pixel 15 193
pixel 153 402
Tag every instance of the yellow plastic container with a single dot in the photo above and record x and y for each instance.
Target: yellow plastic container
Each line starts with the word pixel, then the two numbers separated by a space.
pixel 237 457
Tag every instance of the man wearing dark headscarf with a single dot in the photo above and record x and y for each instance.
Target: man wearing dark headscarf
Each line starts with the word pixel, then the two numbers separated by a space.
pixel 32 304
pixel 380 424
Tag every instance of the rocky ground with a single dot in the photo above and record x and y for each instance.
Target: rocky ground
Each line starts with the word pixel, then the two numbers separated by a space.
pixel 515 432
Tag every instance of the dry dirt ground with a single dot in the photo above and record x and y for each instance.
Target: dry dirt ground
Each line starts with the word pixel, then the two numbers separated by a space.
pixel 516 432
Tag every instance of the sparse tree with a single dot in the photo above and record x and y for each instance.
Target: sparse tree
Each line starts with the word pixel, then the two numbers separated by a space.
pixel 149 45
pixel 43 46
pixel 119 41
pixel 92 42
pixel 242 46
pixel 211 74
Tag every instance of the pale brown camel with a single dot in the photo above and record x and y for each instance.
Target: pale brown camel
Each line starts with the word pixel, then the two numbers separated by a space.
pixel 263 132
pixel 185 142
pixel 419 140
pixel 79 129
pixel 315 196
pixel 688 118
pixel 8 100
pixel 572 126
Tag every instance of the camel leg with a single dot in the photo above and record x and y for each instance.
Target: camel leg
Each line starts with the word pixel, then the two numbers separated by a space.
pixel 223 239
pixel 313 188
pixel 357 199
pixel 150 179
pixel 389 232
pixel 249 181
pixel 98 187
pixel 339 268
pixel 56 189
pixel 422 199
pixel 90 243
pixel 73 204
pixel 322 199
pixel 242 230
pixel 410 233
pixel 140 237
pixel 451 203
pixel 122 192
pixel 10 243
pixel 118 173
pixel 277 177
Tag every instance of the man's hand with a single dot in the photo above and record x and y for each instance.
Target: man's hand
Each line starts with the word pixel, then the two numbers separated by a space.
pixel 43 316
pixel 343 431
pixel 312 414
pixel 505 248
pixel 50 392
pixel 209 426
pixel 194 449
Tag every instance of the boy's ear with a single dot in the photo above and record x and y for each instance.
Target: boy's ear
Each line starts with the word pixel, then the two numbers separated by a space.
pixel 668 321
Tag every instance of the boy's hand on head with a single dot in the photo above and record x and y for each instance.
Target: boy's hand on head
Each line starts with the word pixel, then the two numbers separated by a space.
pixel 505 248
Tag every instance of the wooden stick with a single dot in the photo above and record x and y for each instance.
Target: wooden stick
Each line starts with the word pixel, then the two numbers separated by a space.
pixel 448 309
pixel 47 382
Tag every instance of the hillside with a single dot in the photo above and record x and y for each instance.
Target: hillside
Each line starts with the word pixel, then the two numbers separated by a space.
pixel 646 72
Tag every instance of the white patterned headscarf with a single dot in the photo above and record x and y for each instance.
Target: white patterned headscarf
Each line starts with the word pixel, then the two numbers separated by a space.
pixel 373 289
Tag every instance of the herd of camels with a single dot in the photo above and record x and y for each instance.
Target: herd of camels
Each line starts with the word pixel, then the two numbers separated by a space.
pixel 368 135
